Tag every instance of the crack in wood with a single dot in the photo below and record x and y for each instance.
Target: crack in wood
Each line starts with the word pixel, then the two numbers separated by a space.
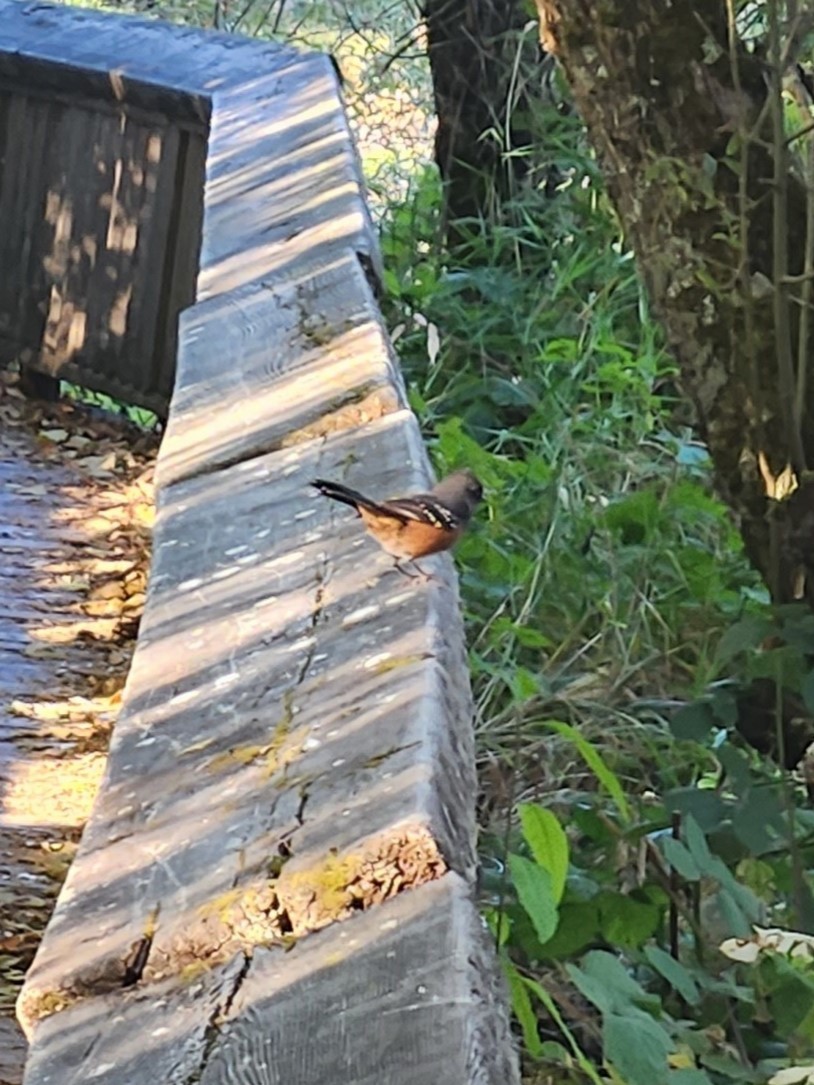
pixel 136 961
pixel 217 1018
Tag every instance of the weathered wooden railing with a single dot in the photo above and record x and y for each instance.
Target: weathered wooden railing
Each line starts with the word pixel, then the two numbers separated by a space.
pixel 276 882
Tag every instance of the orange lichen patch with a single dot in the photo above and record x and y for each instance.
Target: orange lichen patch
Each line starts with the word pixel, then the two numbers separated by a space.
pixel 333 888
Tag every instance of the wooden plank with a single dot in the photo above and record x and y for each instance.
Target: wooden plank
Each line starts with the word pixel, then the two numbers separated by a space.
pixel 104 147
pixel 52 86
pixel 294 757
pixel 114 274
pixel 110 347
pixel 163 1028
pixel 259 367
pixel 32 315
pixel 37 149
pixel 99 150
pixel 78 68
pixel 265 698
pixel 12 198
pixel 154 241
pixel 265 210
pixel 163 68
pixel 64 261
pixel 179 273
pixel 403 994
pixel 90 280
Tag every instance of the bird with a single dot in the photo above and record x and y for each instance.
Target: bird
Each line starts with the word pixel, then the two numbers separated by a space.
pixel 412 527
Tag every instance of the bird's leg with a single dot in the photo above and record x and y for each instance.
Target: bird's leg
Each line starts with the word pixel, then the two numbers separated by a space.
pixel 420 573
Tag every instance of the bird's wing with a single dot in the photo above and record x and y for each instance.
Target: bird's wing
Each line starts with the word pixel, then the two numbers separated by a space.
pixel 426 508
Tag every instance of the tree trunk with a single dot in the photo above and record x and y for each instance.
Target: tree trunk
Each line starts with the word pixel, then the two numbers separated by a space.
pixel 688 126
pixel 487 78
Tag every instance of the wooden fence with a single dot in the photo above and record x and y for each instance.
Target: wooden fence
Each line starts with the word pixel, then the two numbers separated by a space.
pixel 276 883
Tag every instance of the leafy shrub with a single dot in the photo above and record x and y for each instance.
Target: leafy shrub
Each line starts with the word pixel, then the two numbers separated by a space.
pixel 606 588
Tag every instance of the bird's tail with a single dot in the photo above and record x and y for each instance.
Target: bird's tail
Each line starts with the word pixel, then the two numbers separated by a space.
pixel 337 492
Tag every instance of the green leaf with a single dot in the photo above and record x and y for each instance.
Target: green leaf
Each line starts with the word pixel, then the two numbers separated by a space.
pixel 737 900
pixel 724 705
pixel 499 923
pixel 596 764
pixel 626 922
pixel 529 637
pixel 552 1009
pixel 533 886
pixel 807 690
pixel 737 766
pixel 693 722
pixel 577 928
pixel 792 999
pixel 638 1047
pixel 696 844
pixel 677 856
pixel 758 821
pixel 606 983
pixel 674 972
pixel 523 684
pixel 522 1008
pixel 635 516
pixel 705 806
pixel 783 665
pixel 759 877
pixel 736 923
pixel 548 844
pixel 745 899
pixel 727 1067
pixel 742 636
pixel 591 824
pixel 688 1076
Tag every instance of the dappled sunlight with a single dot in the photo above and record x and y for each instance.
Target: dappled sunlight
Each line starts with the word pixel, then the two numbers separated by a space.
pixel 44 793
pixel 93 252
pixel 76 504
pixel 265 212
pixel 227 266
pixel 301 108
pixel 272 414
pixel 273 716
pixel 293 745
pixel 272 996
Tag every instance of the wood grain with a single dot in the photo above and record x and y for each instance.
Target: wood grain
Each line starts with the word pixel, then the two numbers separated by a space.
pixel 423 1006
pixel 309 346
pixel 276 883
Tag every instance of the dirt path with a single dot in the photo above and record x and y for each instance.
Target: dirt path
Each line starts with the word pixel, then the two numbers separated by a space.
pixel 75 516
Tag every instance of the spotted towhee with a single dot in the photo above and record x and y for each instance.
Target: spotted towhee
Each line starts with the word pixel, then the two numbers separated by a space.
pixel 413 527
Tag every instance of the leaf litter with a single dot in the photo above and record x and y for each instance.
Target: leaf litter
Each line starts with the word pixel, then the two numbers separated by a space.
pixel 76 513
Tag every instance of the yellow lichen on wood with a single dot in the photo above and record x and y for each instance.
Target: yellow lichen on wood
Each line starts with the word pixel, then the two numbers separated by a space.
pixel 283 747
pixel 325 885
